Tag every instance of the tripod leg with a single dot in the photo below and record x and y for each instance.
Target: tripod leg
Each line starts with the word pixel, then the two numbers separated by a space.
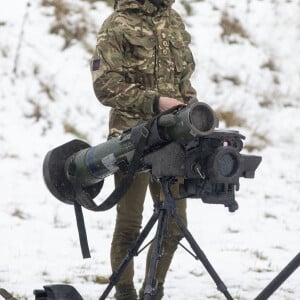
pixel 202 257
pixel 151 283
pixel 131 253
pixel 280 278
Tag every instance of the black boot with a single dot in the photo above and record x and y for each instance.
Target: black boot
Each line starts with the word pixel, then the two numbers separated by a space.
pixel 159 292
pixel 125 292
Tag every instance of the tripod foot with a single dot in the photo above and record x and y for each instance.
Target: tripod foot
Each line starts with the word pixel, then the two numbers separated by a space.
pixel 147 293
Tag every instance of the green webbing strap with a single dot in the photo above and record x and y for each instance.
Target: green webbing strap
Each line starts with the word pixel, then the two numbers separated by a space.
pixel 83 199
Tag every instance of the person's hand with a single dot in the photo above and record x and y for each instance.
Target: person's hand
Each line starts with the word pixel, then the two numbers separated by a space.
pixel 166 103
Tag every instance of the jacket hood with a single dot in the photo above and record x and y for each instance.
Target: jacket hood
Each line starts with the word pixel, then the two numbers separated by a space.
pixel 147 8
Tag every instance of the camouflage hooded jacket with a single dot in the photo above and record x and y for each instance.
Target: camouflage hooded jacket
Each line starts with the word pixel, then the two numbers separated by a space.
pixel 142 53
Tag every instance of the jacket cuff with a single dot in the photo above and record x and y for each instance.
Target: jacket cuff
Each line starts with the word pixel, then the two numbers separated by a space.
pixel 156 104
pixel 148 105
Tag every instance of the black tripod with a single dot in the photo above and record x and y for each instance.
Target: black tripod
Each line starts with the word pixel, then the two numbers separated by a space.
pixel 162 212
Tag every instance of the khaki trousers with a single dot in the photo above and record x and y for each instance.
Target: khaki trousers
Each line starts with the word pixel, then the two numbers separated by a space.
pixel 128 225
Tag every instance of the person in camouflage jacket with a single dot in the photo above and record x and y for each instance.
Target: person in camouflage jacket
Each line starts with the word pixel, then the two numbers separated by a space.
pixel 141 66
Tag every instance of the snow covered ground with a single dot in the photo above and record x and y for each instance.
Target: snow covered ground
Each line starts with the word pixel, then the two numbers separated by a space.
pixel 248 69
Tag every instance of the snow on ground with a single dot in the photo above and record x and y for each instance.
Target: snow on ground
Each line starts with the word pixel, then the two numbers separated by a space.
pixel 49 100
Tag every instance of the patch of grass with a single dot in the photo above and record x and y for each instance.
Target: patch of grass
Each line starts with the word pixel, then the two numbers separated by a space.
pixel 36 111
pixel 259 255
pixel 69 34
pixel 70 128
pixel 232 26
pixel 108 2
pixel 60 7
pixel 259 142
pixel 58 223
pixel 187 6
pixel 276 79
pixel 196 273
pixel 216 297
pixel 274 96
pixel 231 118
pixel 231 230
pixel 47 89
pixel 20 297
pixel 4 52
pixel 218 79
pixel 36 70
pixel 261 270
pixel 66 281
pixel 71 22
pixel 45 273
pixel 266 102
pixel 19 214
pixel 234 79
pixel 96 279
pixel 9 155
pixel 270 216
pixel 279 247
pixel 270 65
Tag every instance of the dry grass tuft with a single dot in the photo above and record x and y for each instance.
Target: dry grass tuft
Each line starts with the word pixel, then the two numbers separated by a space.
pixel 258 142
pixel 108 2
pixel 270 64
pixel 187 6
pixel 19 214
pixel 232 26
pixel 96 279
pixel 234 79
pixel 70 128
pixel 36 113
pixel 71 22
pixel 231 118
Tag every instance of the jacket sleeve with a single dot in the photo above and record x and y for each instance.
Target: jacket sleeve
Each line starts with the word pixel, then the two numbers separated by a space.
pixel 186 89
pixel 107 67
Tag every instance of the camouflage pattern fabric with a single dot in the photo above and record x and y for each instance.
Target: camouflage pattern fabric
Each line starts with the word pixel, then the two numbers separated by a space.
pixel 141 53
